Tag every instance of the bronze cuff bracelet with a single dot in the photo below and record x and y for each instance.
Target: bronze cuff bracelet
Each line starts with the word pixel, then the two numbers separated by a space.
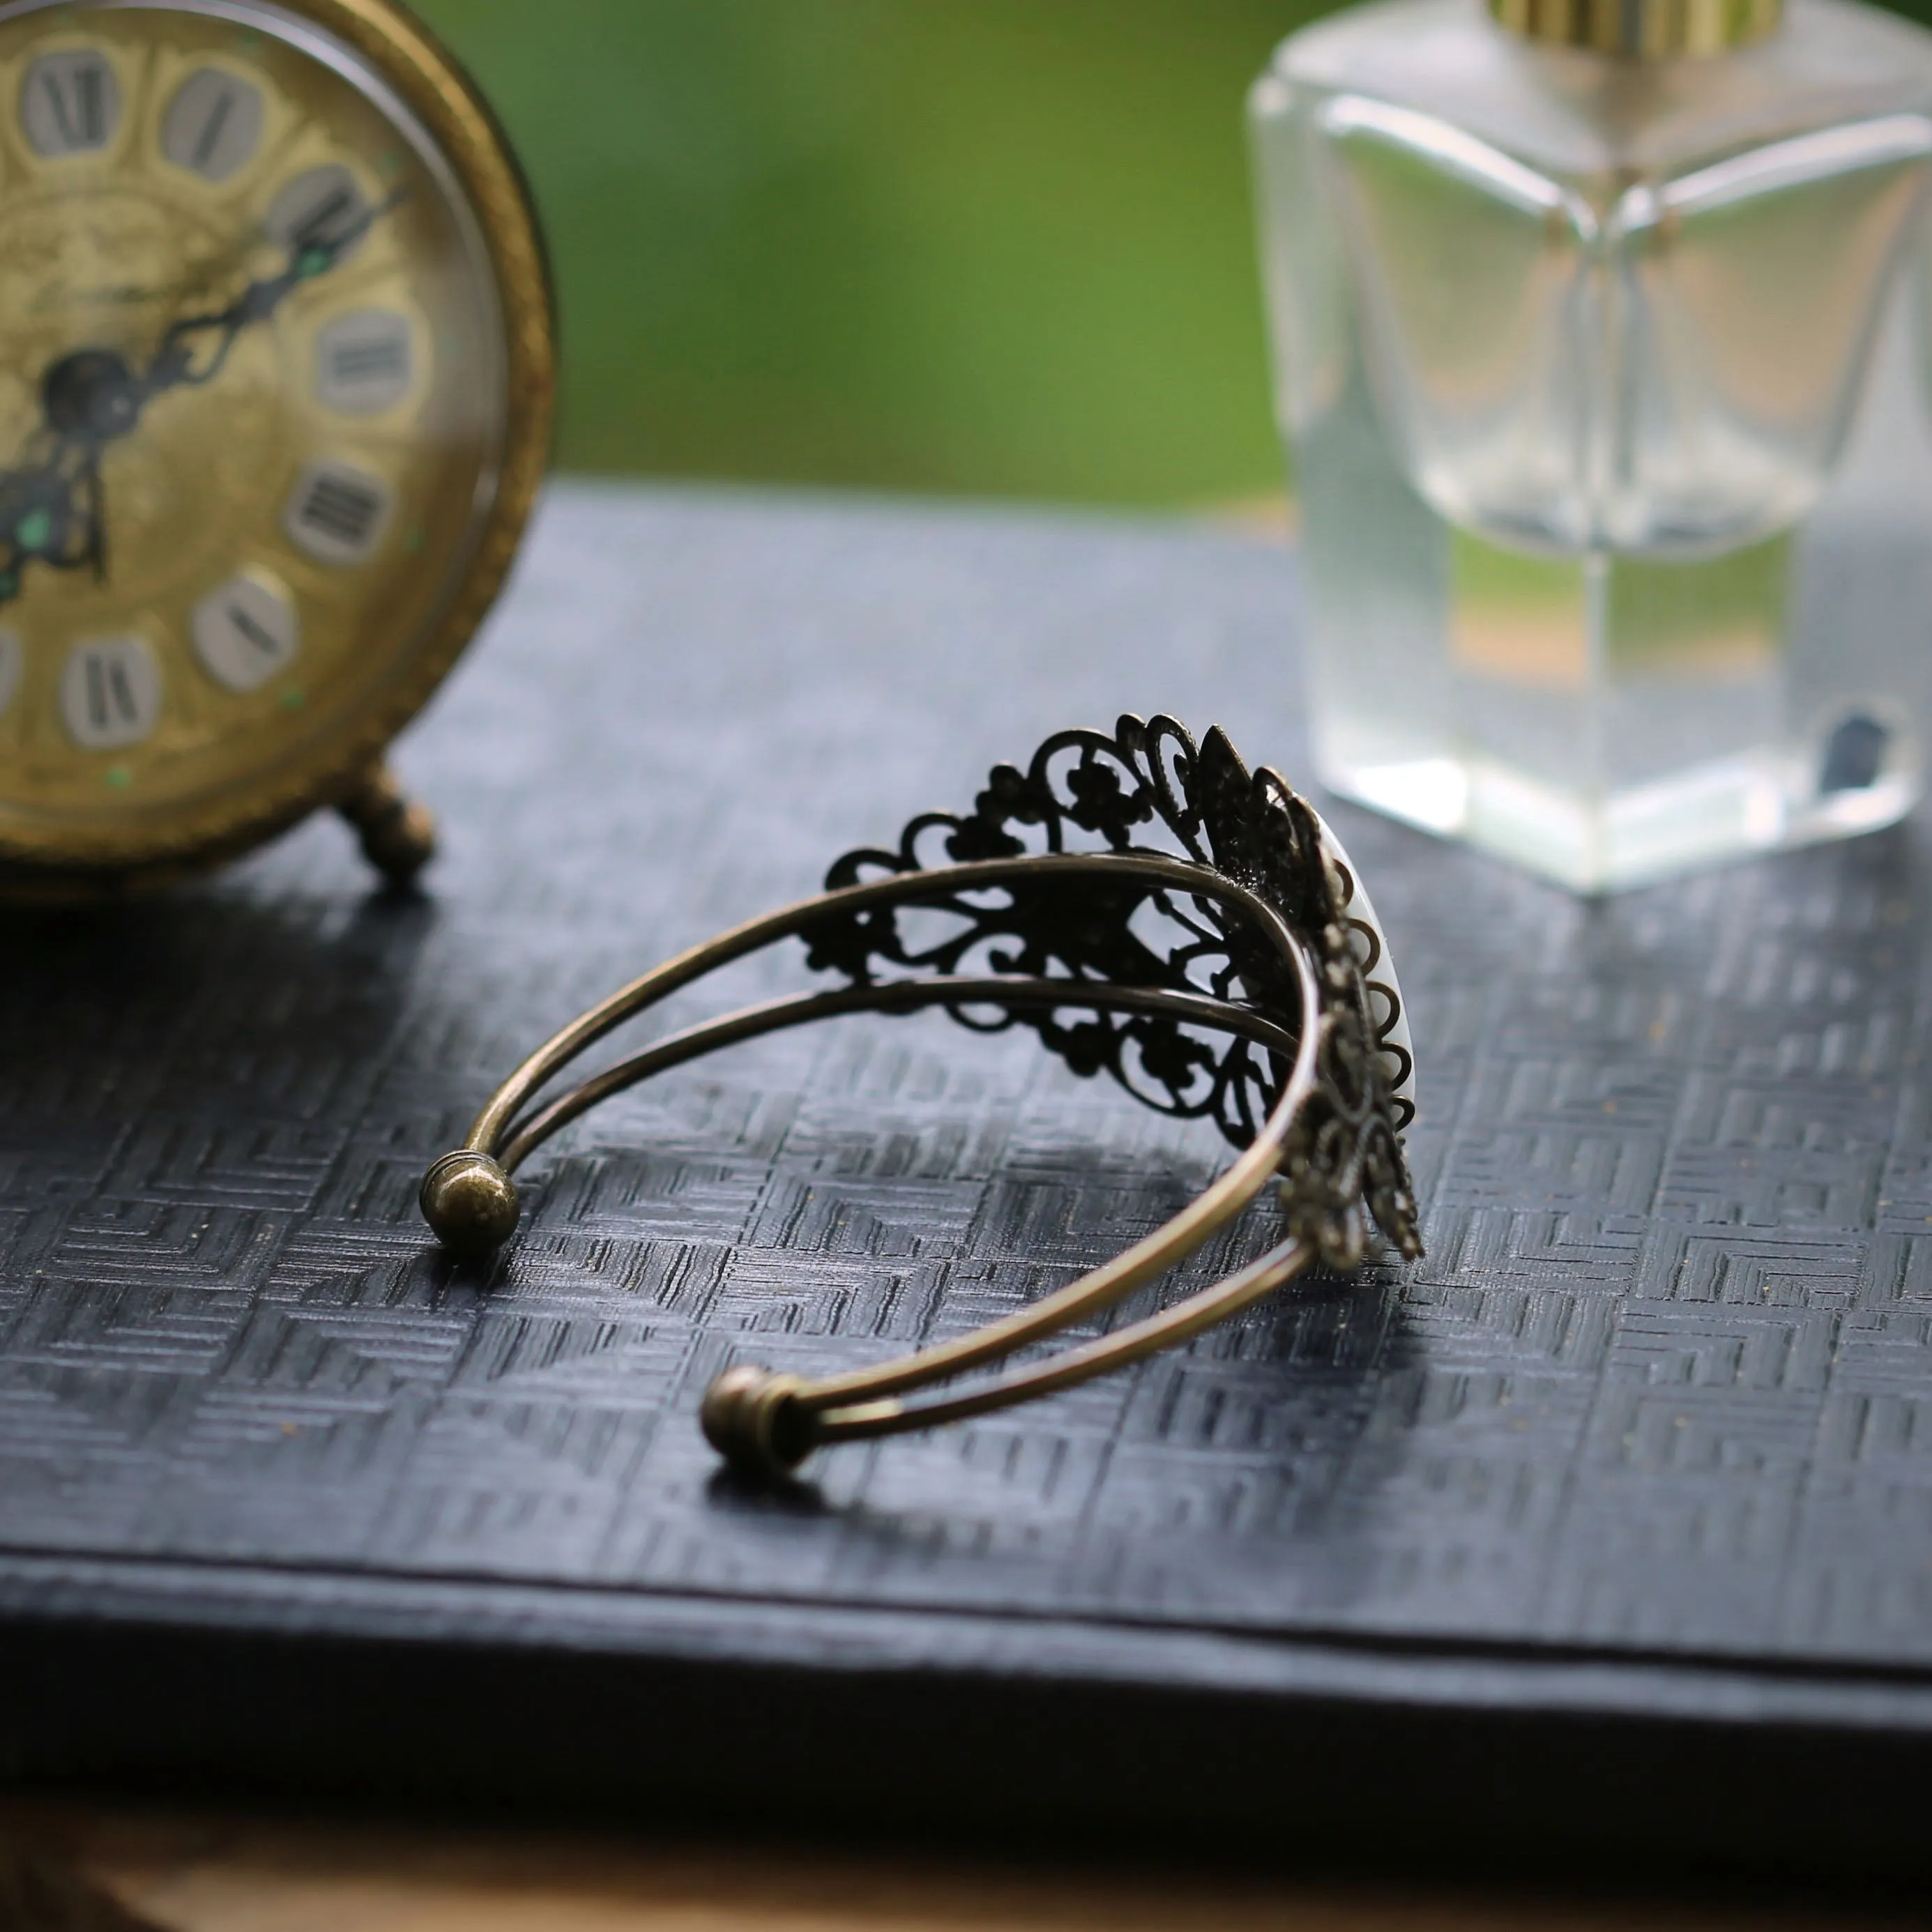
pixel 1247 926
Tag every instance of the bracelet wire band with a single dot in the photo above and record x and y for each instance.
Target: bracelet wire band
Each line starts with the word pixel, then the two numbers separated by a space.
pixel 1276 948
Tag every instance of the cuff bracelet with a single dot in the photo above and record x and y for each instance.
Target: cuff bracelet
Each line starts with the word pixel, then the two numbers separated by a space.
pixel 1150 910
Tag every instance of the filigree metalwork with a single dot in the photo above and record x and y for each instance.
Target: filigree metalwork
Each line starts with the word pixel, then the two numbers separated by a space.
pixel 1151 788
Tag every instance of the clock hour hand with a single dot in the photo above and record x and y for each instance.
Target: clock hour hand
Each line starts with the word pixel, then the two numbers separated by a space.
pixel 52 513
pixel 53 510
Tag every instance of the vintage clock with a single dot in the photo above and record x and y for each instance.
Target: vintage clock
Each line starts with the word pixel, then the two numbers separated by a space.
pixel 276 374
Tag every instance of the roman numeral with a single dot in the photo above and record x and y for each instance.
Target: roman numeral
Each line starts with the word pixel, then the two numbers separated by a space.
pixel 246 631
pixel 322 209
pixel 365 361
pixel 111 703
pixel 328 220
pixel 371 360
pixel 343 511
pixel 70 104
pixel 213 127
pixel 337 512
pixel 110 693
pixel 78 108
pixel 210 136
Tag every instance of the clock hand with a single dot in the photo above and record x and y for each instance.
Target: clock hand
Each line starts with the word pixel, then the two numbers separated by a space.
pixel 94 485
pixel 52 511
pixel 314 250
pixel 40 521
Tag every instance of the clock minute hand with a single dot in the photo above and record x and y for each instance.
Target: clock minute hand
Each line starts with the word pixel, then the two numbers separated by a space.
pixel 313 250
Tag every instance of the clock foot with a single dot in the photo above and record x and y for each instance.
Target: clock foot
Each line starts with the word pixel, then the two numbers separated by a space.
pixel 397 833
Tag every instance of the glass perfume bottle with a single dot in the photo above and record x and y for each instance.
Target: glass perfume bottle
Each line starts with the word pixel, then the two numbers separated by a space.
pixel 1601 353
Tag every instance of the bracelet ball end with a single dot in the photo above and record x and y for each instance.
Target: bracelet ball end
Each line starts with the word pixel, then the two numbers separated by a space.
pixel 754 1419
pixel 470 1203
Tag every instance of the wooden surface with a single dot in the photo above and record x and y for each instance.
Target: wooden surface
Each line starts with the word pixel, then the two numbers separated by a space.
pixel 98 1871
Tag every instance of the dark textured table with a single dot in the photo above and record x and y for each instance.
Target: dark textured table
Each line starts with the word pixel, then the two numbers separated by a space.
pixel 1610 1523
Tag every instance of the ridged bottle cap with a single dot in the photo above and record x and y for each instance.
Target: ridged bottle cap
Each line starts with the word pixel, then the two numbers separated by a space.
pixel 1641 29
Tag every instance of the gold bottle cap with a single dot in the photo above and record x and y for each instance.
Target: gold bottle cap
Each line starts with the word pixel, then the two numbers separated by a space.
pixel 1641 29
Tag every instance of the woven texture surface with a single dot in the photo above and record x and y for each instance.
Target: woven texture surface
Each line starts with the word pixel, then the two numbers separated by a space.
pixel 1663 1384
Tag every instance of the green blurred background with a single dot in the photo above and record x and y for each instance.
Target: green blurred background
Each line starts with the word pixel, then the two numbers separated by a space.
pixel 976 247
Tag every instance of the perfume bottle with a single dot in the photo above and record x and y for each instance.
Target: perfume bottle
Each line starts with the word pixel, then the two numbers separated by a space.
pixel 1603 358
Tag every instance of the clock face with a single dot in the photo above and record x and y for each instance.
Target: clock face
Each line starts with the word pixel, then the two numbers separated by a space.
pixel 253 407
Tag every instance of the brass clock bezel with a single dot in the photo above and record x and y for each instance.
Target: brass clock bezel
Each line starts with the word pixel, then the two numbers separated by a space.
pixel 74 862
